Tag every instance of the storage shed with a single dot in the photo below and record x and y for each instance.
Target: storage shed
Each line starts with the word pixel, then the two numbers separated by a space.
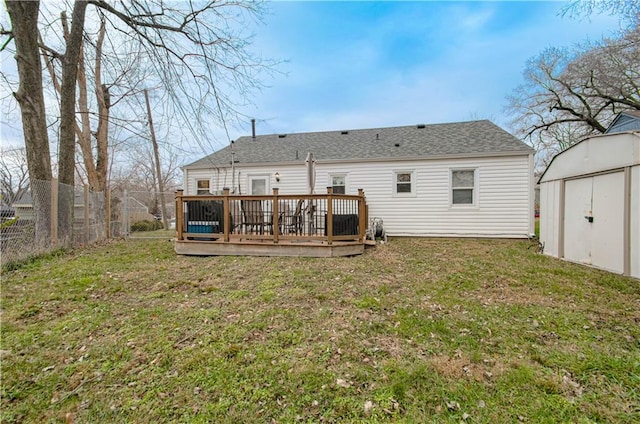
pixel 590 203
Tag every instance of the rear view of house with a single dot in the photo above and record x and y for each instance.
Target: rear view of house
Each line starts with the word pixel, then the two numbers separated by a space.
pixel 467 179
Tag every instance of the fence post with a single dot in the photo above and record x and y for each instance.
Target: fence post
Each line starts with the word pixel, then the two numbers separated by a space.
pixel 85 224
pixel 54 211
pixel 107 199
pixel 329 215
pixel 125 213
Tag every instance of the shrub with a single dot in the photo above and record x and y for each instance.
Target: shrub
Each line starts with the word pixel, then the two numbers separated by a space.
pixel 146 225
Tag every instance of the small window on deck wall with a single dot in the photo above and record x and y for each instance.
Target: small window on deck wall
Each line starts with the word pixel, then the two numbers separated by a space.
pixel 403 183
pixel 463 187
pixel 339 184
pixel 202 187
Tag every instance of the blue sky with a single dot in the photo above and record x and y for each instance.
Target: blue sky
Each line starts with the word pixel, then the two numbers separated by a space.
pixel 376 64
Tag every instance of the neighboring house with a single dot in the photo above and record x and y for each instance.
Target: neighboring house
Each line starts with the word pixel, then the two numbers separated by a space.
pixel 6 211
pixel 590 203
pixel 24 206
pixel 469 179
pixel 625 121
pixel 138 211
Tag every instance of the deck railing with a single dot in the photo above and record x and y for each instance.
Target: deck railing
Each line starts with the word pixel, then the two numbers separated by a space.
pixel 326 217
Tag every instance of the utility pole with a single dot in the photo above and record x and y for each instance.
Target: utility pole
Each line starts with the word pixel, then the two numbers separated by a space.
pixel 163 207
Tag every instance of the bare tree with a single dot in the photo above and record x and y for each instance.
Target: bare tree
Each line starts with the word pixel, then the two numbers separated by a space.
pixel 628 10
pixel 95 157
pixel 142 173
pixel 198 51
pixel 571 94
pixel 14 174
pixel 67 141
pixel 30 97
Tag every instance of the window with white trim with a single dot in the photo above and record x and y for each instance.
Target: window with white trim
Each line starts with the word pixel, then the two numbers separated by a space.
pixel 339 183
pixel 463 186
pixel 203 187
pixel 258 184
pixel 403 183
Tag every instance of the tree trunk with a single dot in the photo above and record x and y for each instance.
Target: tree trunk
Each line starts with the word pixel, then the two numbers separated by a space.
pixel 67 142
pixel 163 206
pixel 24 21
pixel 104 103
pixel 84 130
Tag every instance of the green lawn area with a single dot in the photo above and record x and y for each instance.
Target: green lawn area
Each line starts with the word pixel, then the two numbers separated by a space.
pixel 416 330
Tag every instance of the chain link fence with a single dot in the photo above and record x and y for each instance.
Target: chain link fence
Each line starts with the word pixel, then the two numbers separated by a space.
pixel 144 216
pixel 40 221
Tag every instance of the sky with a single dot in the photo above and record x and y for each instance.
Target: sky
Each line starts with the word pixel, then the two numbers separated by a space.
pixel 353 65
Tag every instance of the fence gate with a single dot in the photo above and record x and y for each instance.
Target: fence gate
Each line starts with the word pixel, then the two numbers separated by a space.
pixel 142 214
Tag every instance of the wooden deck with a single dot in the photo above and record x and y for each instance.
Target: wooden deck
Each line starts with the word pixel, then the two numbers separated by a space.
pixel 326 225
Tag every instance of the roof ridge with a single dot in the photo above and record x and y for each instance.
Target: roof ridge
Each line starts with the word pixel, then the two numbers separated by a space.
pixel 367 129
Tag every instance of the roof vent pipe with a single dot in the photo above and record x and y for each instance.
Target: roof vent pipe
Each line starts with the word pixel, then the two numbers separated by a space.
pixel 253 129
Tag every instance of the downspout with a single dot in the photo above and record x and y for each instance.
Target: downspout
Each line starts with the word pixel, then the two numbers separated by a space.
pixel 233 171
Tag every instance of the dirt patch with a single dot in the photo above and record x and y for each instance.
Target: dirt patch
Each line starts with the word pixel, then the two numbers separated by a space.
pixel 458 367
pixel 503 291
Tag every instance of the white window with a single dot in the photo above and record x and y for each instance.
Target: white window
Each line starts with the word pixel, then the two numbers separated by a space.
pixel 463 186
pixel 203 187
pixel 258 184
pixel 339 183
pixel 404 183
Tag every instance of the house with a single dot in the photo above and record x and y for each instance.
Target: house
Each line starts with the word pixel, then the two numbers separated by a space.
pixel 590 202
pixel 466 179
pixel 6 211
pixel 23 206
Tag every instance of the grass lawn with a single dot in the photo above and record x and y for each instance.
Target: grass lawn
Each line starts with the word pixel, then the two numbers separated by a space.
pixel 417 330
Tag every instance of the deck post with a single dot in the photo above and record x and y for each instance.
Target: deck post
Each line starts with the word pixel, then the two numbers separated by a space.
pixel 225 213
pixel 362 216
pixel 330 215
pixel 179 214
pixel 275 228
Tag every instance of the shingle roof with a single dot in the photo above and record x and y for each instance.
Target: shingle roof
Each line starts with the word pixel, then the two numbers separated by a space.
pixel 416 141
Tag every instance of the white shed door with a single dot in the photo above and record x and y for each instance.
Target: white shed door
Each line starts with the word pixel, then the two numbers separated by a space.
pixel 598 243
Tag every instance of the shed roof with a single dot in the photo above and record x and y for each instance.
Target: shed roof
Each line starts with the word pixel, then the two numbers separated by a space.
pixel 416 141
pixel 599 153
